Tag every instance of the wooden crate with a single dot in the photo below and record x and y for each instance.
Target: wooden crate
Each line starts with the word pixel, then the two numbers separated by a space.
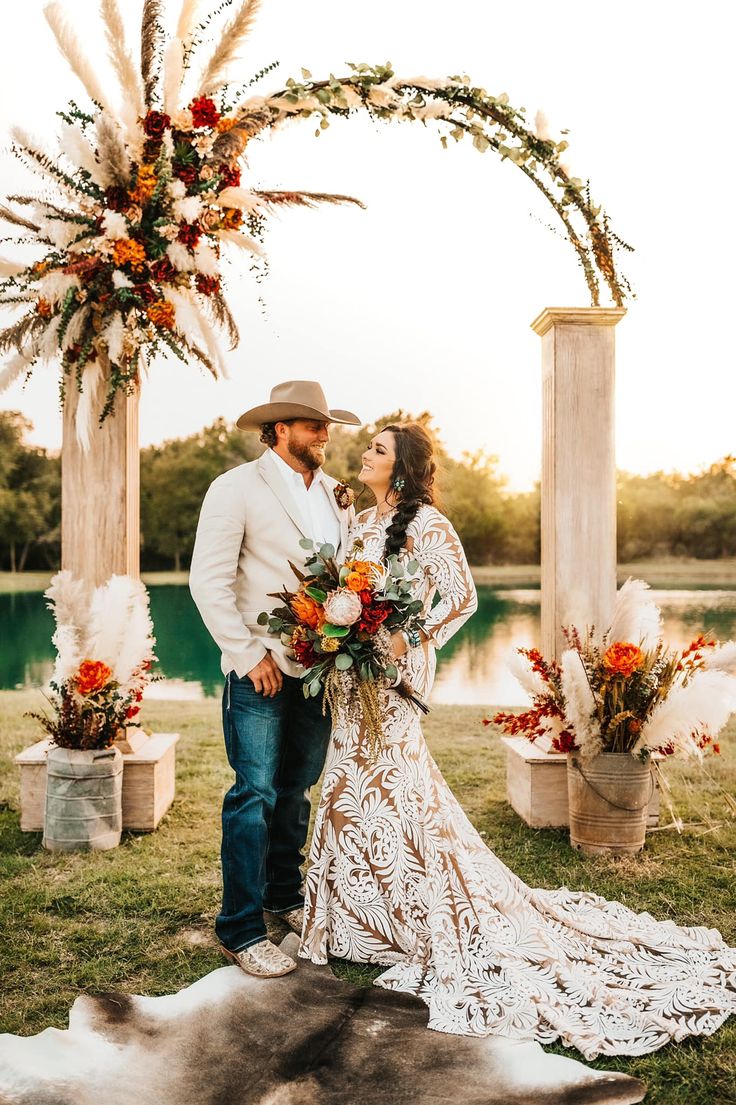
pixel 148 783
pixel 536 785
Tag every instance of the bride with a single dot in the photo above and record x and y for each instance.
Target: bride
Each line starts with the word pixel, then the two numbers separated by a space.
pixel 399 877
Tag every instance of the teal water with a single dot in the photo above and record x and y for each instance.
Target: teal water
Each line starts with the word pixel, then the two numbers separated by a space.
pixel 471 667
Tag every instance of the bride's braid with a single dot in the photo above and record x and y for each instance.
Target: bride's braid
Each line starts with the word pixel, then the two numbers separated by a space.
pixel 412 479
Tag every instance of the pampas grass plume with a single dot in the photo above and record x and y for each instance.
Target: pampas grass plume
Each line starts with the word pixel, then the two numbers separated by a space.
pixel 703 704
pixel 636 617
pixel 70 48
pixel 580 705
pixel 721 658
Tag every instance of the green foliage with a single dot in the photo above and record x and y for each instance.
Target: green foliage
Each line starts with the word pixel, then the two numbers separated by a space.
pixel 140 918
pixel 30 498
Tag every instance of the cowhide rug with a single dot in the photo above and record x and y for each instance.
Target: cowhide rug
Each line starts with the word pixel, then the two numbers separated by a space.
pixel 304 1039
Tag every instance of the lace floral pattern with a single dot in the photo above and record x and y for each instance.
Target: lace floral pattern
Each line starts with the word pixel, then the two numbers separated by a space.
pixel 400 877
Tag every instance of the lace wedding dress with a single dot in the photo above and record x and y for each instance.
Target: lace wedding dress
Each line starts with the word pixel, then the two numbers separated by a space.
pixel 400 877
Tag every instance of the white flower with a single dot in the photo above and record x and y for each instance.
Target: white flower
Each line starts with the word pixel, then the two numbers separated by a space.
pixel 177 189
pixel 179 256
pixel 182 120
pixel 188 209
pixel 115 225
pixel 120 280
pixel 205 260
pixel 541 127
pixel 343 607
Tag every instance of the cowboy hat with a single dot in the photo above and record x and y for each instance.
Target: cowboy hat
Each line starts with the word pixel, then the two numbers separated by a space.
pixel 295 399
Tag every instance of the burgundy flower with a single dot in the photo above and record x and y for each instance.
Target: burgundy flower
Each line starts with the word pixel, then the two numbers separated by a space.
pixel 189 174
pixel 374 616
pixel 189 234
pixel 207 285
pixel 204 111
pixel 305 654
pixel 155 123
pixel 146 293
pixel 163 270
pixel 229 176
pixel 117 199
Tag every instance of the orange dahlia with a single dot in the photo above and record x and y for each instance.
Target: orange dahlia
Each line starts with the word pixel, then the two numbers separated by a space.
pixel 161 313
pixel 126 251
pixel 92 676
pixel 622 658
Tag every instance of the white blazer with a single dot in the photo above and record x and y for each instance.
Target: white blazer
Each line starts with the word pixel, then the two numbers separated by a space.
pixel 249 529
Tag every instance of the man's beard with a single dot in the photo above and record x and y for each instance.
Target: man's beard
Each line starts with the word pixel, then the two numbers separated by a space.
pixel 305 454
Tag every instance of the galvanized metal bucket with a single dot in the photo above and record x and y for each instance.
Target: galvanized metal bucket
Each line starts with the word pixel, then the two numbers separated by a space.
pixel 83 799
pixel 608 801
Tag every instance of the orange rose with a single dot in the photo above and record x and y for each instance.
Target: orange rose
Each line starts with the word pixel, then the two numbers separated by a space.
pixel 622 659
pixel 307 610
pixel 92 676
pixel 355 581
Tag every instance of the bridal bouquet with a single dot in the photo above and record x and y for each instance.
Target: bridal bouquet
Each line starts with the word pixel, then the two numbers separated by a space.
pixel 626 691
pixel 104 643
pixel 339 622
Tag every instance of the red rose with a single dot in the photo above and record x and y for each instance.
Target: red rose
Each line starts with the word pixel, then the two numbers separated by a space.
pixel 374 616
pixel 229 176
pixel 163 270
pixel 204 112
pixel 186 173
pixel 207 285
pixel 155 123
pixel 117 199
pixel 189 234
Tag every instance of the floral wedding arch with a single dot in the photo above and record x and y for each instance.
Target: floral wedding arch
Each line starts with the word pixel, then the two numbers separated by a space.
pixel 141 200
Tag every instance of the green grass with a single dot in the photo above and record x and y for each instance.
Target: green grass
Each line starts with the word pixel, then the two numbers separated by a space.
pixel 139 918
pixel 666 573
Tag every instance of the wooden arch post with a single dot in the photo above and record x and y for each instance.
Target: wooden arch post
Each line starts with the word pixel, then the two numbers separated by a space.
pixel 578 469
pixel 100 494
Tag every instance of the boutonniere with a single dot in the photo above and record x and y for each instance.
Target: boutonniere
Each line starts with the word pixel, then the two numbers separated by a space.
pixel 344 495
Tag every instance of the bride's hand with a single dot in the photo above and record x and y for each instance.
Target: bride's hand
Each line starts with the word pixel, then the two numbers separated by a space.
pixel 399 647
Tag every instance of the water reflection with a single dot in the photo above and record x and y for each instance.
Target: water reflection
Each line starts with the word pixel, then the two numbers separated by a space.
pixel 471 667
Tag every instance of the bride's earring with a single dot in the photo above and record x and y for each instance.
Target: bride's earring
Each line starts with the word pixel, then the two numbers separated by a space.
pixel 399 484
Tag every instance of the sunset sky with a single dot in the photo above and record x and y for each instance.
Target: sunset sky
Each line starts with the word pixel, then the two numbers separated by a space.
pixel 424 300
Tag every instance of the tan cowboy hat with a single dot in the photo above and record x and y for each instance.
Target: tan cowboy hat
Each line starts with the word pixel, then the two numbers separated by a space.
pixel 295 399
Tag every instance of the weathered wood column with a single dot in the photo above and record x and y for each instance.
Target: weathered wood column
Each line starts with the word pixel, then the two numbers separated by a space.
pixel 100 494
pixel 578 469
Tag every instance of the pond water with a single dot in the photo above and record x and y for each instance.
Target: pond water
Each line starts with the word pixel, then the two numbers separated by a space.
pixel 471 667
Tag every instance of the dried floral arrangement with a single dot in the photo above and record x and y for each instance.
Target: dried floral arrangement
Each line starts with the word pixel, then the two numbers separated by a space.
pixel 104 651
pixel 625 690
pixel 143 195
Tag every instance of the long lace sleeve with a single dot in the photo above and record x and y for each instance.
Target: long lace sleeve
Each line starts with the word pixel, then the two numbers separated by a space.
pixel 438 549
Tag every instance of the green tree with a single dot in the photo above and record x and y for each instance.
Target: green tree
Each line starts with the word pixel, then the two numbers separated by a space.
pixel 30 496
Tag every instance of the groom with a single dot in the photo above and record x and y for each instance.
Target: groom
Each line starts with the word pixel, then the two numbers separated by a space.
pixel 252 520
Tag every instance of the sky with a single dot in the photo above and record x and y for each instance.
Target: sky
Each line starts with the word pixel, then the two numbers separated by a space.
pixel 424 300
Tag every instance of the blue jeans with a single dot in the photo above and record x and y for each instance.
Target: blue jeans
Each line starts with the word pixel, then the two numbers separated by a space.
pixel 276 747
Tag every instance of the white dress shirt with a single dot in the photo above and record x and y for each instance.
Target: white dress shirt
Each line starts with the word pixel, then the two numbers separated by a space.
pixel 313 502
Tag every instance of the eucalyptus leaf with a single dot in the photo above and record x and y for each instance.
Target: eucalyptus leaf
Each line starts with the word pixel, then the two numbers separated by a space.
pixel 263 618
pixel 329 630
pixel 413 566
pixel 343 661
pixel 306 543
pixel 315 687
pixel 327 551
pixel 316 593
pixel 392 672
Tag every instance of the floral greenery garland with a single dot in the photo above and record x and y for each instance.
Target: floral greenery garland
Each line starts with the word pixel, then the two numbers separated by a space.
pixel 137 207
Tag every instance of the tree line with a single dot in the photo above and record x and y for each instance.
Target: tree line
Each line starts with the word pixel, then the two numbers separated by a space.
pixel 658 515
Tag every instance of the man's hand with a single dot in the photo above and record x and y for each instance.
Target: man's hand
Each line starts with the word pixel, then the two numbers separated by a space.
pixel 266 677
